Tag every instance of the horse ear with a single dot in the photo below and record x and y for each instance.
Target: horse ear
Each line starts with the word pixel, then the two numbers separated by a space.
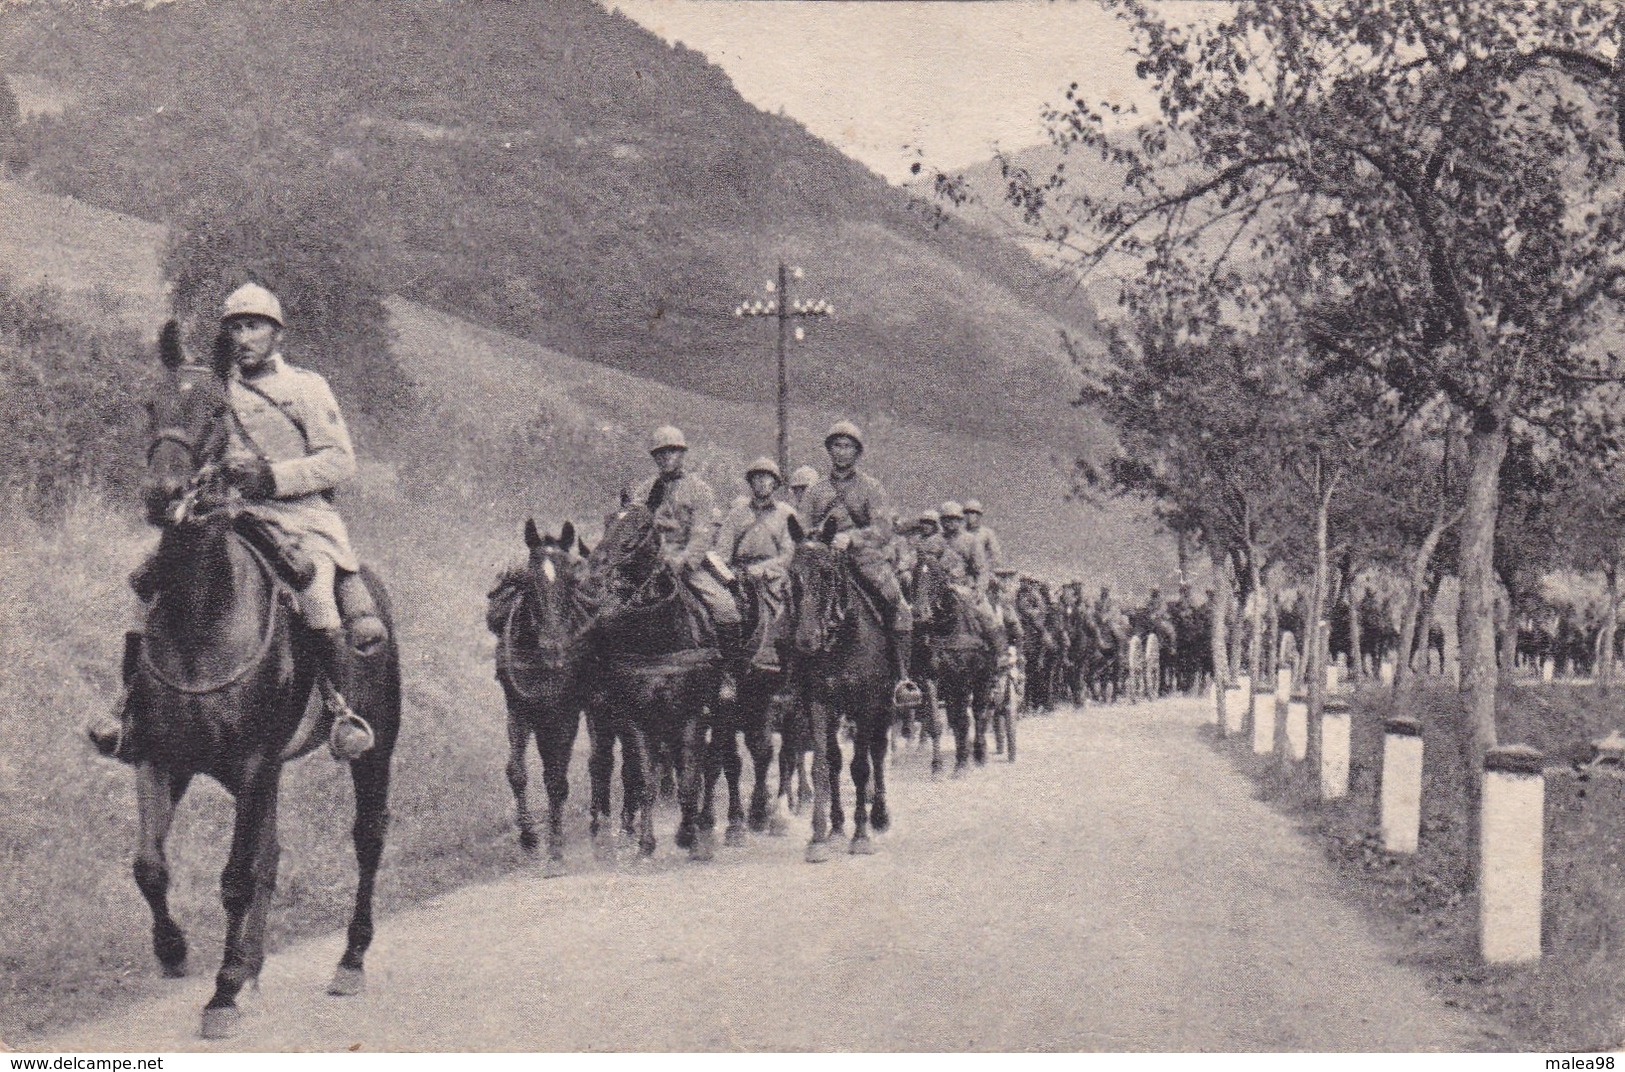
pixel 567 535
pixel 828 533
pixel 169 345
pixel 797 533
pixel 586 552
pixel 533 539
pixel 626 498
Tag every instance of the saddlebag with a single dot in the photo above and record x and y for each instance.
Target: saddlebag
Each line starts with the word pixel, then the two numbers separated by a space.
pixel 281 550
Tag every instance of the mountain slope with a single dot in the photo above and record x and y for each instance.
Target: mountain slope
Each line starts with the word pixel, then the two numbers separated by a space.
pixel 559 173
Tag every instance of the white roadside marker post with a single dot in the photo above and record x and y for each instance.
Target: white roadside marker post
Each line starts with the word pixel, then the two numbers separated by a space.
pixel 1511 852
pixel 1401 784
pixel 1334 749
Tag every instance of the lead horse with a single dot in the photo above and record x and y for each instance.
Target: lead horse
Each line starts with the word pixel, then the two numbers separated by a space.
pixel 538 618
pixel 842 655
pixel 221 687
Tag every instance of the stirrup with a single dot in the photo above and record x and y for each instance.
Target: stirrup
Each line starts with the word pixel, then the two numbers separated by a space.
pixel 906 695
pixel 351 737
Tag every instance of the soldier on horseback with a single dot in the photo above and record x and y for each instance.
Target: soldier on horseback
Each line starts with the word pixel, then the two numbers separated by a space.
pixel 863 522
pixel 685 513
pixel 755 539
pixel 968 570
pixel 986 541
pixel 289 451
pixel 803 478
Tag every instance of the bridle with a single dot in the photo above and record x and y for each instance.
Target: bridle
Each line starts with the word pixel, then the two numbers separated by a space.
pixel 832 617
pixel 549 654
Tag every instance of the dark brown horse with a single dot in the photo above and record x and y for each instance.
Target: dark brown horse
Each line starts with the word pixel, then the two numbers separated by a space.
pixel 923 589
pixel 655 664
pixel 843 662
pixel 965 667
pixel 749 715
pixel 221 688
pixel 538 658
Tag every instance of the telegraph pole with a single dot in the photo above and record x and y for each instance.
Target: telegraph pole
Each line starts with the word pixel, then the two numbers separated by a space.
pixel 784 310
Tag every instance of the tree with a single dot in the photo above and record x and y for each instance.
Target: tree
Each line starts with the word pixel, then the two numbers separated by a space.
pixel 1445 177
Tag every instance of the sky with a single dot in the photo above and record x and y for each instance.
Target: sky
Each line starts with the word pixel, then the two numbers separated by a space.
pixel 890 84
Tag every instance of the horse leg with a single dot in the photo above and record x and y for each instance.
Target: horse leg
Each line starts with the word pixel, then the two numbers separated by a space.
pixel 246 886
pixel 932 725
pixel 600 769
pixel 518 780
pixel 158 792
pixel 837 816
pixel 691 751
pixel 759 742
pixel 711 746
pixel 370 776
pixel 818 846
pixel 638 777
pixel 861 751
pixel 879 814
pixel 733 765
pixel 555 749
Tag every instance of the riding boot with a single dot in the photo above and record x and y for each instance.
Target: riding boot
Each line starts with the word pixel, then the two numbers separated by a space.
pixel 350 737
pixel 905 694
pixel 110 733
pixel 361 621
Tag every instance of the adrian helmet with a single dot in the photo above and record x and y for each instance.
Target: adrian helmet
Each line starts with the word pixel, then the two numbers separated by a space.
pixel 929 517
pixel 251 299
pixel 667 437
pixel 951 509
pixel 844 428
pixel 805 477
pixel 973 506
pixel 764 465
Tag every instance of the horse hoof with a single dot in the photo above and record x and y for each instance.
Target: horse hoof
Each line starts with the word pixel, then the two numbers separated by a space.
pixel 646 847
pixel 704 850
pixel 685 837
pixel 603 849
pixel 347 982
pixel 863 846
pixel 735 837
pixel 528 840
pixel 778 826
pixel 880 819
pixel 554 867
pixel 817 852
pixel 220 1023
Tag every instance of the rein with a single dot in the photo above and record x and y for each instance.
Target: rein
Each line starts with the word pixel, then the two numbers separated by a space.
pixel 553 650
pixel 268 636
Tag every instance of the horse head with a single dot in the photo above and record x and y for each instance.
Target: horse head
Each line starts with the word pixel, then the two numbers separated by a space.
pixel 552 574
pixel 189 429
pixel 819 602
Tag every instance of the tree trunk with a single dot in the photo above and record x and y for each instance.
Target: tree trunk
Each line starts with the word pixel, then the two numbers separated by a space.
pixel 1413 599
pixel 1430 609
pixel 1314 641
pixel 1219 611
pixel 1486 449
pixel 1605 636
pixel 1351 595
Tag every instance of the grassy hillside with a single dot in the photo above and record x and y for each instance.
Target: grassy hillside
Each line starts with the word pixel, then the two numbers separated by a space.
pixel 559 173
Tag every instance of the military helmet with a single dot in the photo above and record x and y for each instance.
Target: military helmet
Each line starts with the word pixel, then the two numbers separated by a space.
pixel 951 509
pixel 1004 571
pixel 973 506
pixel 844 428
pixel 251 299
pixel 764 465
pixel 805 477
pixel 667 437
pixel 929 516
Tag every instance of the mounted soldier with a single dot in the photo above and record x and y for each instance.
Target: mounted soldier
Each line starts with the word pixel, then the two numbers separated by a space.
pixel 686 516
pixel 862 517
pixel 800 480
pixel 755 540
pixel 289 451
pixel 987 542
pixel 968 572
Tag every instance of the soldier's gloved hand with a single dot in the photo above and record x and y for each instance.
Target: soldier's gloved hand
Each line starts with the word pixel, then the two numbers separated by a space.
pixel 251 476
pixel 842 540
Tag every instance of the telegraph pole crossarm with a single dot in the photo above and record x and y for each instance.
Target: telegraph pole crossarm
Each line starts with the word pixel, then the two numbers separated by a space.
pixel 785 310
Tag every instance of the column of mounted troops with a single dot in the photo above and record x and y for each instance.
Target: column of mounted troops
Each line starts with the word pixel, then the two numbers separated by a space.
pixel 1512 805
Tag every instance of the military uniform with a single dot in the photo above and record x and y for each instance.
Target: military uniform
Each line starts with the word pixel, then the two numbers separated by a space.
pixel 858 503
pixel 755 539
pixel 288 417
pixel 685 513
pixel 987 549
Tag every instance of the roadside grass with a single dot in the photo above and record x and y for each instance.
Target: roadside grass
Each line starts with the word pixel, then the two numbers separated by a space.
pixel 1574 998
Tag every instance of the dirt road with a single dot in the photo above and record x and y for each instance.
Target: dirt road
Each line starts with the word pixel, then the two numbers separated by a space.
pixel 1117 889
